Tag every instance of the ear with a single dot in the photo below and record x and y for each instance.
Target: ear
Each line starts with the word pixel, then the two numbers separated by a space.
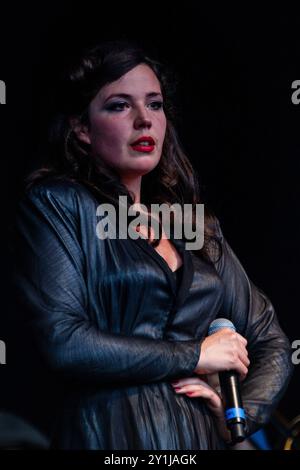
pixel 81 130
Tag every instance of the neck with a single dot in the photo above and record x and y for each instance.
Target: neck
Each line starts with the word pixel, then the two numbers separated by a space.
pixel 134 186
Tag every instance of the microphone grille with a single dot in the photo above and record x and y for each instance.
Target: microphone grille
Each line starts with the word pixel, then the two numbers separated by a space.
pixel 218 324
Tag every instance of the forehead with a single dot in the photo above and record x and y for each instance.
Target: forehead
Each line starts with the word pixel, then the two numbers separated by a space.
pixel 138 81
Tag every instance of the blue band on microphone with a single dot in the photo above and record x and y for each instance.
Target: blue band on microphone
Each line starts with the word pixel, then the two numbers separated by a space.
pixel 235 413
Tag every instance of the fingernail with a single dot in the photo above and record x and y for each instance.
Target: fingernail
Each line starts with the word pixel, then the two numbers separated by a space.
pixel 190 394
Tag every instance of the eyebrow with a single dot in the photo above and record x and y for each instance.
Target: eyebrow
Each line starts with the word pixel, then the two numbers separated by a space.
pixel 152 94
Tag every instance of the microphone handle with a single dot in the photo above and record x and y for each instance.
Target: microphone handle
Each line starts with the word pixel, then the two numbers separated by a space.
pixel 234 412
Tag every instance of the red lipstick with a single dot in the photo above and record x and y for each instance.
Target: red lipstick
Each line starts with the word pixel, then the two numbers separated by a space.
pixel 144 144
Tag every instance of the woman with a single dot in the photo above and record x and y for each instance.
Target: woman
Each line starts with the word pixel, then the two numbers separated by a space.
pixel 124 322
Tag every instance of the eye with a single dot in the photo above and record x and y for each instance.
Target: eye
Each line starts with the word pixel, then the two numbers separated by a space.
pixel 117 106
pixel 156 105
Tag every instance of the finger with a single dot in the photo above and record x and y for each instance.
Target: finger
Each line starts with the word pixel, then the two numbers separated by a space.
pixel 238 341
pixel 243 371
pixel 242 348
pixel 195 391
pixel 197 387
pixel 243 351
pixel 243 355
pixel 240 367
pixel 242 339
pixel 244 358
pixel 187 381
pixel 241 361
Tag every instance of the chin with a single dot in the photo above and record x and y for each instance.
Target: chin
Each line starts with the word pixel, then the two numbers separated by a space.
pixel 144 166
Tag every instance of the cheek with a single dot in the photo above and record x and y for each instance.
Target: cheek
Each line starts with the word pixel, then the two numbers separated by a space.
pixel 162 126
pixel 107 134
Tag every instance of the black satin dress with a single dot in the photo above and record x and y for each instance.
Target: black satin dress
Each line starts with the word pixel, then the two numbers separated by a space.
pixel 113 324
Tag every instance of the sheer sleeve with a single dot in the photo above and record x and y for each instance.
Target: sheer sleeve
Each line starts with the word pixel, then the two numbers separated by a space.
pixel 50 279
pixel 254 317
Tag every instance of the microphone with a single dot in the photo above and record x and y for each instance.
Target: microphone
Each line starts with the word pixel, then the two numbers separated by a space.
pixel 230 387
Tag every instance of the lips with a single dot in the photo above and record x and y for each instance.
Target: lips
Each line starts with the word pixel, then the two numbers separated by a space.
pixel 143 144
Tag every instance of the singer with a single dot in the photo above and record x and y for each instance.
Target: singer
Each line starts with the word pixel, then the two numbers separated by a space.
pixel 124 323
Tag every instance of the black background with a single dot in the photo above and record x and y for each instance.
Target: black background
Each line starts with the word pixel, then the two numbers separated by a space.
pixel 237 124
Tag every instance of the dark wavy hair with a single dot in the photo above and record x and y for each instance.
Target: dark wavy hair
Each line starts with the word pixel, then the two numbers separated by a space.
pixel 173 180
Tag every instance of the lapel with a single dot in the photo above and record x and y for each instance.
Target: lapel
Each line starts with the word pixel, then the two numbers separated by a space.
pixel 187 275
pixel 188 268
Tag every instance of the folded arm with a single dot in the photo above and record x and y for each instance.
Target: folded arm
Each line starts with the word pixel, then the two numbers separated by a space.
pixel 51 281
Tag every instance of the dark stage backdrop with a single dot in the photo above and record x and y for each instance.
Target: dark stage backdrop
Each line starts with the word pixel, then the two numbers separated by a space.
pixel 237 123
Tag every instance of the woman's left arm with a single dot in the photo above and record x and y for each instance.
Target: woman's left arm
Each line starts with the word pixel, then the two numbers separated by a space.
pixel 269 349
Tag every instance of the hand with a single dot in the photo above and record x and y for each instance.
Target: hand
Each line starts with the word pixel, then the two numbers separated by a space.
pixel 195 387
pixel 223 350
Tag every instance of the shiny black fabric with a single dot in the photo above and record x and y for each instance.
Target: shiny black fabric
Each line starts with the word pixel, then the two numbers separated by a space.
pixel 109 320
pixel 178 276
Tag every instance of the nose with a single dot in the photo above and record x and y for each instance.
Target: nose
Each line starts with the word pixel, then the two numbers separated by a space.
pixel 142 119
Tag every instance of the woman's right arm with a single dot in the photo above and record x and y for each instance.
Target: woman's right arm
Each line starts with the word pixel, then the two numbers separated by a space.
pixel 50 280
